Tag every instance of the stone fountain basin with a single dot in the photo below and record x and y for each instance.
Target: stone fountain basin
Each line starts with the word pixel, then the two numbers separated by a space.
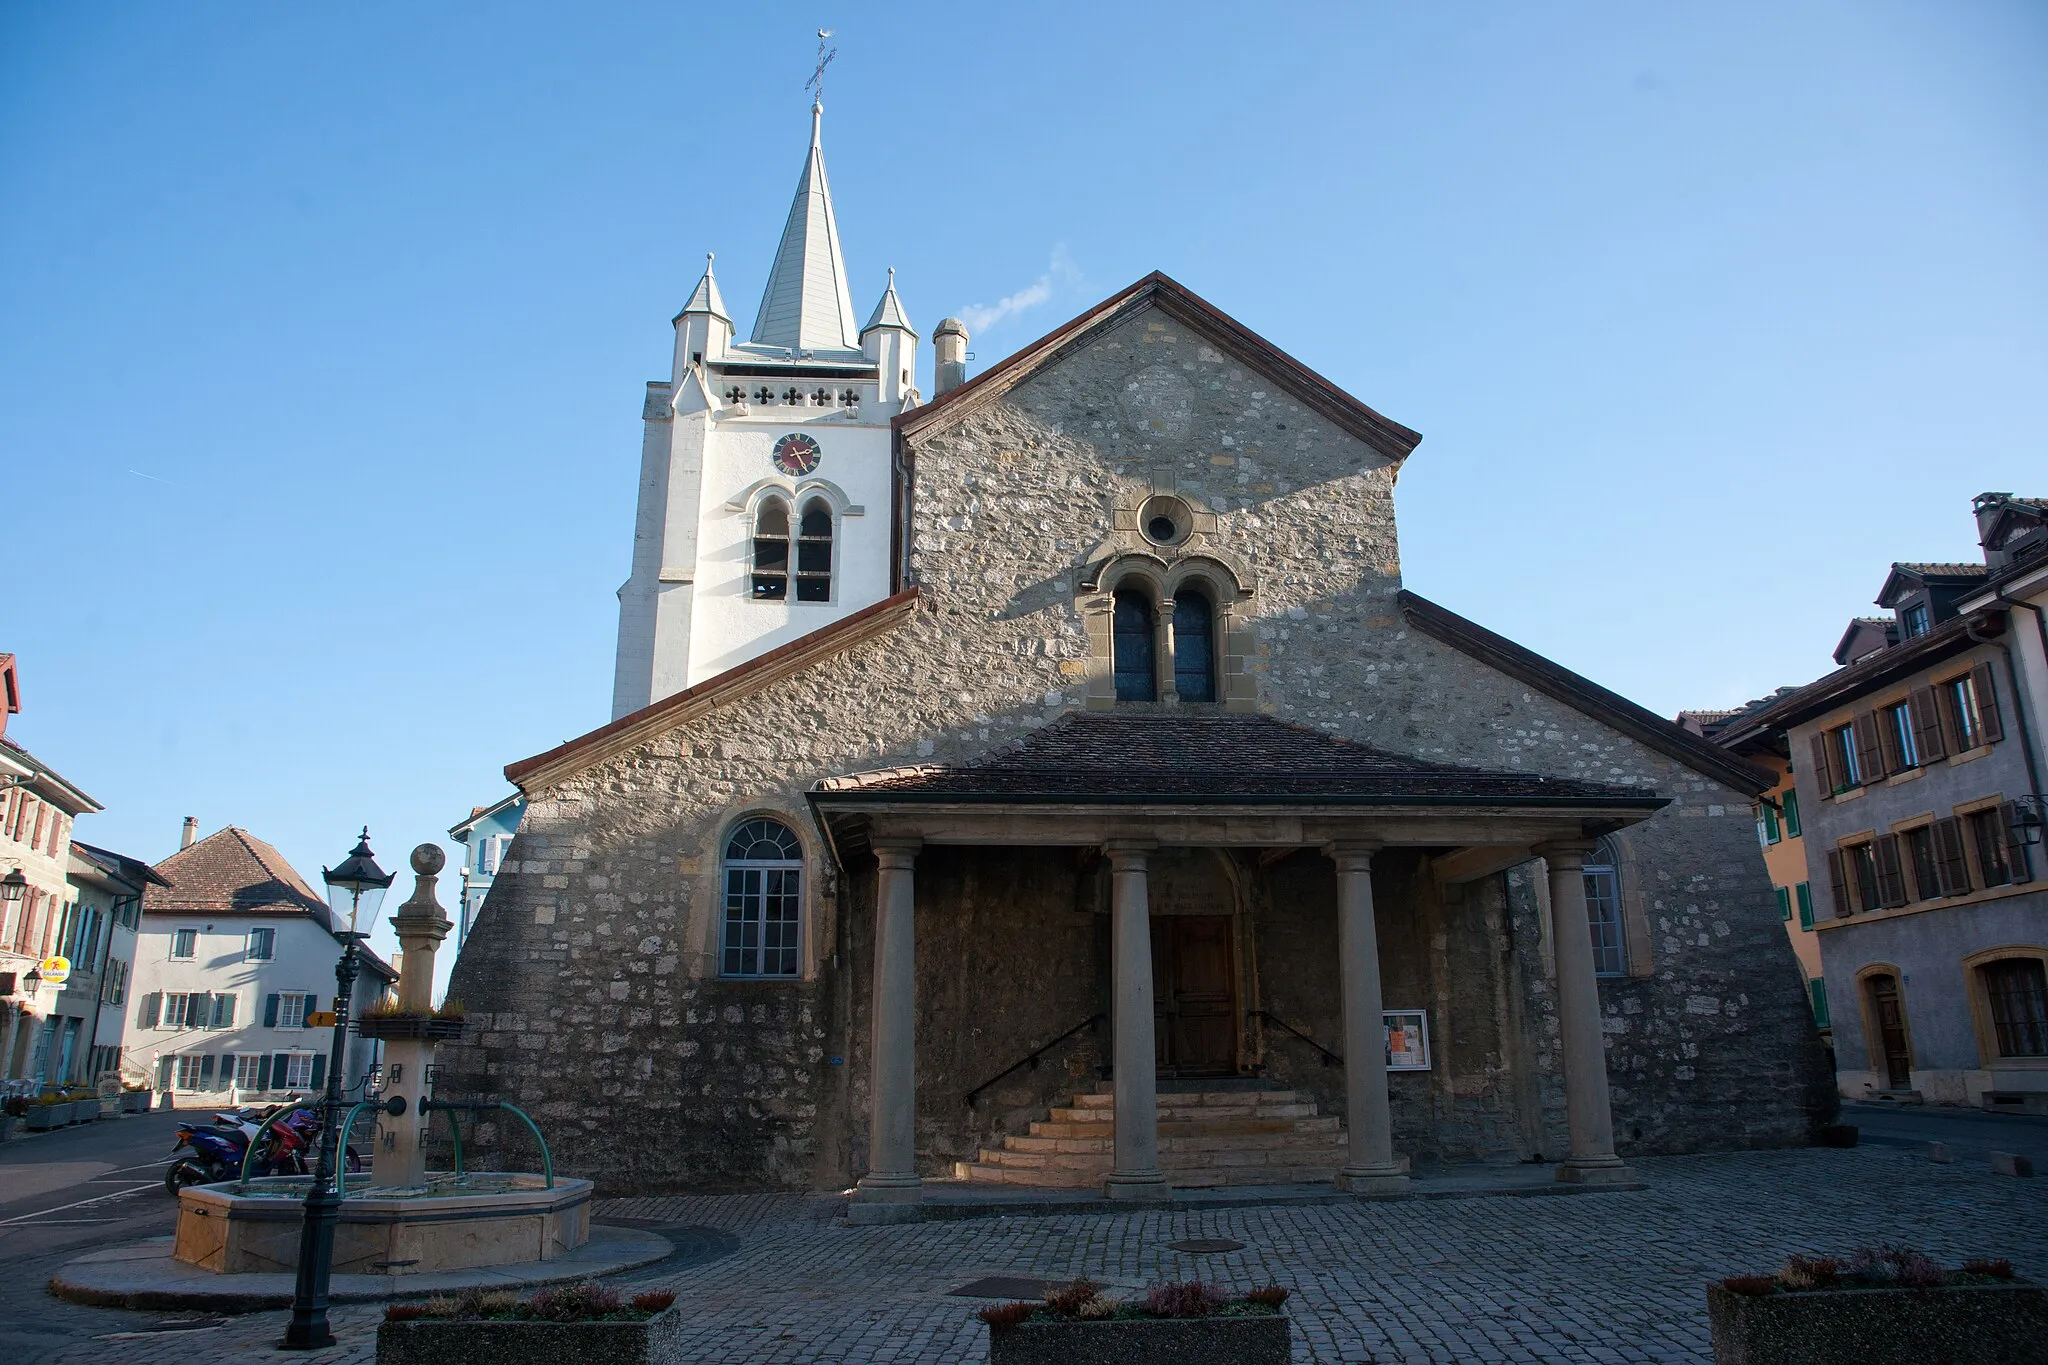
pixel 452 1223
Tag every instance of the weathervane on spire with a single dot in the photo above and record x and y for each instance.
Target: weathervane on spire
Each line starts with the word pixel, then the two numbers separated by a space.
pixel 816 84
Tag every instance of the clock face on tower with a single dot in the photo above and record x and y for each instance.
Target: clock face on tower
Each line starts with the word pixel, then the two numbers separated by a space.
pixel 797 454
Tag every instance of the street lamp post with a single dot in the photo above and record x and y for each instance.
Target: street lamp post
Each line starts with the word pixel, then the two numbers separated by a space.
pixel 356 882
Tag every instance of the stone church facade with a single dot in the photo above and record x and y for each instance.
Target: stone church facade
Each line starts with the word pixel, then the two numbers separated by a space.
pixel 1146 768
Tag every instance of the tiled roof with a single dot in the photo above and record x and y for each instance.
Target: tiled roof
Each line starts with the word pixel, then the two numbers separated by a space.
pixel 232 873
pixel 1938 571
pixel 1121 757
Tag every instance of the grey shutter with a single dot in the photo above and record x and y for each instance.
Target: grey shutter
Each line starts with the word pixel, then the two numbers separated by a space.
pixel 205 1068
pixel 1869 753
pixel 270 1011
pixel 152 1010
pixel 280 1068
pixel 1990 728
pixel 1891 881
pixel 319 1071
pixel 163 1073
pixel 1928 736
pixel 1838 883
pixel 263 1072
pixel 1951 864
pixel 1821 774
pixel 1888 741
pixel 2015 844
pixel 1951 725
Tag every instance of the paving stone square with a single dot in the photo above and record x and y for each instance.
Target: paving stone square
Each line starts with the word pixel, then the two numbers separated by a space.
pixel 1605 1277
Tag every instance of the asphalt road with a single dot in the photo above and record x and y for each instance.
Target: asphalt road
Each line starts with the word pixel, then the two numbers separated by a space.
pixel 65 1193
pixel 1972 1135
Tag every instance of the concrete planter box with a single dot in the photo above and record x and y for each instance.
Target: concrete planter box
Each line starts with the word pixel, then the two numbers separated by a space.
pixel 135 1101
pixel 428 1341
pixel 1989 1324
pixel 43 1117
pixel 1261 1340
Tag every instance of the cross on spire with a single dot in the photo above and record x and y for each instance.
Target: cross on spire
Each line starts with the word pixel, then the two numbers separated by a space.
pixel 816 84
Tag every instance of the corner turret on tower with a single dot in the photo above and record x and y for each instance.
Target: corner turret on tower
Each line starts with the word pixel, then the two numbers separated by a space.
pixel 890 342
pixel 703 328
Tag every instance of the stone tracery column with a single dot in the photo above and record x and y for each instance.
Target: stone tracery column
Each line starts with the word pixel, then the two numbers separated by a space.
pixel 892 1177
pixel 1369 1165
pixel 1587 1108
pixel 1135 1172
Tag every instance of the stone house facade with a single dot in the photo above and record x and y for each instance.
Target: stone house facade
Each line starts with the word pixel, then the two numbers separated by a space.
pixel 783 928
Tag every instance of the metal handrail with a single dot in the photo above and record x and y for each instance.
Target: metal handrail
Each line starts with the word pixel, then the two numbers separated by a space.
pixel 1030 1060
pixel 1329 1058
pixel 547 1161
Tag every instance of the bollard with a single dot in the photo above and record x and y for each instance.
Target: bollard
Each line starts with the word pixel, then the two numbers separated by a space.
pixel 1939 1153
pixel 2010 1163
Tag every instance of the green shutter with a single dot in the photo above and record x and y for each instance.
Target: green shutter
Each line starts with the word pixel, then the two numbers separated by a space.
pixel 1819 988
pixel 1771 834
pixel 1791 802
pixel 1784 903
pixel 1804 892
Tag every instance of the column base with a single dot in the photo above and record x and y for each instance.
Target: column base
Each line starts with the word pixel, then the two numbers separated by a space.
pixel 888 1189
pixel 1149 1186
pixel 1609 1170
pixel 1375 1181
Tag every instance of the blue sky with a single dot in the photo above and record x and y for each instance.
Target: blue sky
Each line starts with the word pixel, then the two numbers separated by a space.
pixel 323 329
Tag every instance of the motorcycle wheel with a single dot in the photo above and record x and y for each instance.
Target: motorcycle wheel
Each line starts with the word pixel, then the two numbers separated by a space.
pixel 183 1172
pixel 355 1162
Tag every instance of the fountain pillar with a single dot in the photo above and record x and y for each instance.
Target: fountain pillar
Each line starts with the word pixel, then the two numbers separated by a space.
pixel 400 1160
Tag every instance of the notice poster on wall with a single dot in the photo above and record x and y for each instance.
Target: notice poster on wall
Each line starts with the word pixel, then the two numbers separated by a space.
pixel 1407 1040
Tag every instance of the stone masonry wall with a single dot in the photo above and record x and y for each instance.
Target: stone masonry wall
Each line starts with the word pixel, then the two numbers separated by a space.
pixel 591 966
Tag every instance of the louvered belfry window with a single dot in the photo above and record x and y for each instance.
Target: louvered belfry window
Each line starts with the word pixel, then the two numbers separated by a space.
pixel 764 868
pixel 814 553
pixel 771 551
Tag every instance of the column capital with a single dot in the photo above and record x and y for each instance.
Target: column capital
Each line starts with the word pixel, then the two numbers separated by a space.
pixel 1352 855
pixel 1127 853
pixel 896 852
pixel 1565 853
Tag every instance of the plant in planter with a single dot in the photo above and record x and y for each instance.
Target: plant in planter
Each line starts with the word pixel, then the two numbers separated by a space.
pixel 1885 1305
pixel 48 1111
pixel 390 1020
pixel 1187 1324
pixel 580 1322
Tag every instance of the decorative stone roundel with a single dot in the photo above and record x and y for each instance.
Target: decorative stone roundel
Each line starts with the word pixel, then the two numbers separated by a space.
pixel 1165 520
pixel 797 454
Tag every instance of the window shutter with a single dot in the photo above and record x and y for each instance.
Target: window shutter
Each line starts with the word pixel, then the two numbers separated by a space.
pixel 1888 738
pixel 1951 864
pixel 205 1068
pixel 1803 894
pixel 1990 728
pixel 1951 724
pixel 152 1007
pixel 263 1072
pixel 2015 846
pixel 1819 988
pixel 163 1073
pixel 1891 882
pixel 1869 753
pixel 1838 883
pixel 280 1068
pixel 1821 774
pixel 312 1005
pixel 1784 902
pixel 1928 735
pixel 319 1071
pixel 270 1011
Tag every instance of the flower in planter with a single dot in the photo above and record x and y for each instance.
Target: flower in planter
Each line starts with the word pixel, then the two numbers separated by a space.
pixel 1191 1299
pixel 1755 1286
pixel 1007 1314
pixel 1998 1270
pixel 1810 1272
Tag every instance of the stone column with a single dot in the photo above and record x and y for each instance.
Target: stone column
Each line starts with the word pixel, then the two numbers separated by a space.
pixel 400 1159
pixel 1369 1164
pixel 1136 1173
pixel 892 1190
pixel 1592 1160
pixel 1162 648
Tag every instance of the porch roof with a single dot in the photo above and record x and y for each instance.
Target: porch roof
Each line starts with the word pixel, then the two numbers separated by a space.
pixel 1183 758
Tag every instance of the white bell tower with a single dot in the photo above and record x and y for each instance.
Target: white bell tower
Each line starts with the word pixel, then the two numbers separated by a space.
pixel 765 464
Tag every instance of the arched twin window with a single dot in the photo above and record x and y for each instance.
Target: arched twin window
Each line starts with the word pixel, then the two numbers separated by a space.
pixel 763 872
pixel 771 574
pixel 1134 646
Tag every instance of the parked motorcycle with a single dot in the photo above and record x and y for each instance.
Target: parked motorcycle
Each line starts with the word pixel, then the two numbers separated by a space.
pixel 209 1154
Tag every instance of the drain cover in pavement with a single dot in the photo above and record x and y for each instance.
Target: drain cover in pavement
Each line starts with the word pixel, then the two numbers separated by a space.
pixel 1199 1245
pixel 1001 1287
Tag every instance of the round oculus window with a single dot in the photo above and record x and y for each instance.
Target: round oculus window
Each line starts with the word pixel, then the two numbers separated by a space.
pixel 1165 521
pixel 796 454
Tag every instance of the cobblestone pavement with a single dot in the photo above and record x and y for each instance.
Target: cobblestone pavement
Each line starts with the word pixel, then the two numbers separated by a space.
pixel 1609 1277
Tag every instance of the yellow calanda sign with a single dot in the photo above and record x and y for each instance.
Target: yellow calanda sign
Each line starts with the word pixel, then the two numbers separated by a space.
pixel 55 970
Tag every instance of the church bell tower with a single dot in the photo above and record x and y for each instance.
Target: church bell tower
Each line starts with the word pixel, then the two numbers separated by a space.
pixel 765 481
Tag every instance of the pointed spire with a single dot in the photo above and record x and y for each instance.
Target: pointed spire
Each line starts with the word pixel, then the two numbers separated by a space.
pixel 806 306
pixel 704 298
pixel 889 312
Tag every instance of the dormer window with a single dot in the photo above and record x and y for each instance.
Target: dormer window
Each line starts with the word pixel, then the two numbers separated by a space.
pixel 1913 620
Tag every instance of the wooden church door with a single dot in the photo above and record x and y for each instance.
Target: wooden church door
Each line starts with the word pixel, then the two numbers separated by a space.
pixel 1194 983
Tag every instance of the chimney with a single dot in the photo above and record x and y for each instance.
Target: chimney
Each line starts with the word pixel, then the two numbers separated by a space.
pixel 949 355
pixel 190 833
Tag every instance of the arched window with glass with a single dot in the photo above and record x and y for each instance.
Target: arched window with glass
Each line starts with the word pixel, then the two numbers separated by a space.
pixel 771 551
pixel 814 552
pixel 1603 911
pixel 763 872
pixel 1134 647
pixel 1194 646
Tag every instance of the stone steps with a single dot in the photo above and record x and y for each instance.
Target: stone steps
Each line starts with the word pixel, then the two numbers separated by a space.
pixel 1206 1138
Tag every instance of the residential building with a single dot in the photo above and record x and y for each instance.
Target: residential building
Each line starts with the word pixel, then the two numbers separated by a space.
pixel 484 837
pixel 1131 750
pixel 235 958
pixel 107 890
pixel 1919 786
pixel 43 1030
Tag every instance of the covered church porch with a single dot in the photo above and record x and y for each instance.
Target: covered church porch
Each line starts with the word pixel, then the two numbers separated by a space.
pixel 1185 829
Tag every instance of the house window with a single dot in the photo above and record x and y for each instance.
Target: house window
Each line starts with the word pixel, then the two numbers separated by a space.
pixel 291 1011
pixel 262 945
pixel 248 1071
pixel 1137 676
pixel 1919 845
pixel 194 1070
pixel 1959 698
pixel 1862 863
pixel 184 943
pixel 1789 802
pixel 1767 831
pixel 1842 758
pixel 1914 619
pixel 1802 896
pixel 1987 836
pixel 814 553
pixel 298 1071
pixel 1194 646
pixel 1898 737
pixel 1603 916
pixel 185 1011
pixel 2016 988
pixel 771 551
pixel 763 905
pixel 222 1014
pixel 1818 990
